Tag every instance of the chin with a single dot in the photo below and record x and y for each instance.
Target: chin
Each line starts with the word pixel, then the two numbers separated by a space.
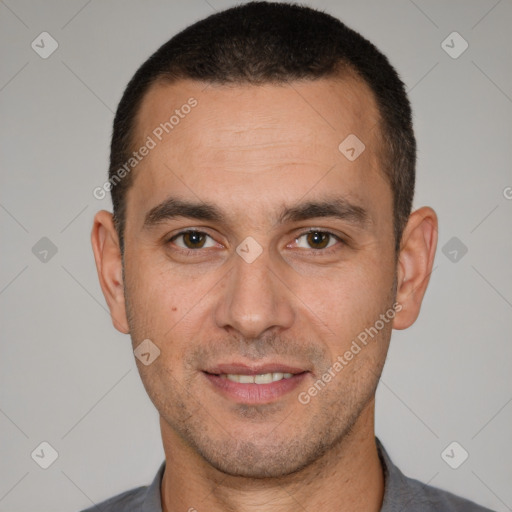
pixel 247 459
pixel 260 469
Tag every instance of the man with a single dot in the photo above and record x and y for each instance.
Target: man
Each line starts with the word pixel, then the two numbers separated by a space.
pixel 261 250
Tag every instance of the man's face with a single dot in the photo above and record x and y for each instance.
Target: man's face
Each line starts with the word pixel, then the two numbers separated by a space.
pixel 253 153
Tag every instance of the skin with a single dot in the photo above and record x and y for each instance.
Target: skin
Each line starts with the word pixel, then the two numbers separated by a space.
pixel 250 151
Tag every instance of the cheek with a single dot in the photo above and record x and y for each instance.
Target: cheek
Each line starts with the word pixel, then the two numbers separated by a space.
pixel 348 298
pixel 163 301
pixel 150 305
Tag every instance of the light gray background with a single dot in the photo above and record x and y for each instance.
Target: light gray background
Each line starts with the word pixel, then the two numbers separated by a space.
pixel 69 378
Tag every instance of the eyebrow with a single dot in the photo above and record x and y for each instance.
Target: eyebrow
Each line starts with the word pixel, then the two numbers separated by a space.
pixel 173 207
pixel 337 207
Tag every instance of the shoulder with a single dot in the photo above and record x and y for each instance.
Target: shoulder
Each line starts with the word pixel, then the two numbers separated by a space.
pixel 423 497
pixel 128 501
pixel 404 493
pixel 141 499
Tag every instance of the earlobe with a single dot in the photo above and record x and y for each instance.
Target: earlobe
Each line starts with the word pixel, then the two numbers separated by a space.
pixel 107 255
pixel 415 262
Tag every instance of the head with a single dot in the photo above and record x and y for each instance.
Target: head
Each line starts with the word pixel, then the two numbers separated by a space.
pixel 267 225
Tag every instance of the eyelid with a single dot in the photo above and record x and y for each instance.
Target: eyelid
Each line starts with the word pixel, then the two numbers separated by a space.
pixel 201 231
pixel 319 230
pixel 339 238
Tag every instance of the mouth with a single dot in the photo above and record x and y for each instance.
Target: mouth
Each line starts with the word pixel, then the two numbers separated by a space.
pixel 261 378
pixel 254 384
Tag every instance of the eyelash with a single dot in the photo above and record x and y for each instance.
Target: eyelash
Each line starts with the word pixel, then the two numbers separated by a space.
pixel 326 251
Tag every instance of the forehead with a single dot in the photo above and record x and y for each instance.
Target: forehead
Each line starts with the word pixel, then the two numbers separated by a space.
pixel 337 104
pixel 257 140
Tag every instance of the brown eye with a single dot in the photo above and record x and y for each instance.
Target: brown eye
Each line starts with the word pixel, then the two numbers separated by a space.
pixel 318 239
pixel 192 240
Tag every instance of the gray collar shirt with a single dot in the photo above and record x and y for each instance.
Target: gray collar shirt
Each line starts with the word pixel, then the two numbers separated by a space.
pixel 401 494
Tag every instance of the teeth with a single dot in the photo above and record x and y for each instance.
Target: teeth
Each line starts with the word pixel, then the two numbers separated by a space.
pixel 266 378
pixel 263 378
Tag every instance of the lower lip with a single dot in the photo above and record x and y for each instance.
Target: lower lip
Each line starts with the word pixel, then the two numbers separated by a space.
pixel 255 393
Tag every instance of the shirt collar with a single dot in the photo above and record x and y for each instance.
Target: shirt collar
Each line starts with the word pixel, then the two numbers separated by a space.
pixel 396 486
pixel 153 499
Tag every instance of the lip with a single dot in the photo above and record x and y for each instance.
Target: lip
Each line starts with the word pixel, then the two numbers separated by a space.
pixel 255 394
pixel 245 369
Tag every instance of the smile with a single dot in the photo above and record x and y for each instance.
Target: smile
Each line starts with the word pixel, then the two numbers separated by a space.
pixel 257 388
pixel 262 378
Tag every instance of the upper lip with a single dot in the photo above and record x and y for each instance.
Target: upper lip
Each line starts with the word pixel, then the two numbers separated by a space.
pixel 248 369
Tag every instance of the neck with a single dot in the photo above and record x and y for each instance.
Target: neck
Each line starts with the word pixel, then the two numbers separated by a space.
pixel 348 477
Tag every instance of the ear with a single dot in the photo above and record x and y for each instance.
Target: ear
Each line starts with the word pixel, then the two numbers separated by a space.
pixel 415 261
pixel 107 254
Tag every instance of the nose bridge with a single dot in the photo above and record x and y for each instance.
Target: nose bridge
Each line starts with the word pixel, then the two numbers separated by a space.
pixel 254 299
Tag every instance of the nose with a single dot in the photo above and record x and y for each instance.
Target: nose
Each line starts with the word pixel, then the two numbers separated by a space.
pixel 255 299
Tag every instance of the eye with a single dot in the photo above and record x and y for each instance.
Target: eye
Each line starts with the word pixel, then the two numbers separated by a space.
pixel 191 239
pixel 317 240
